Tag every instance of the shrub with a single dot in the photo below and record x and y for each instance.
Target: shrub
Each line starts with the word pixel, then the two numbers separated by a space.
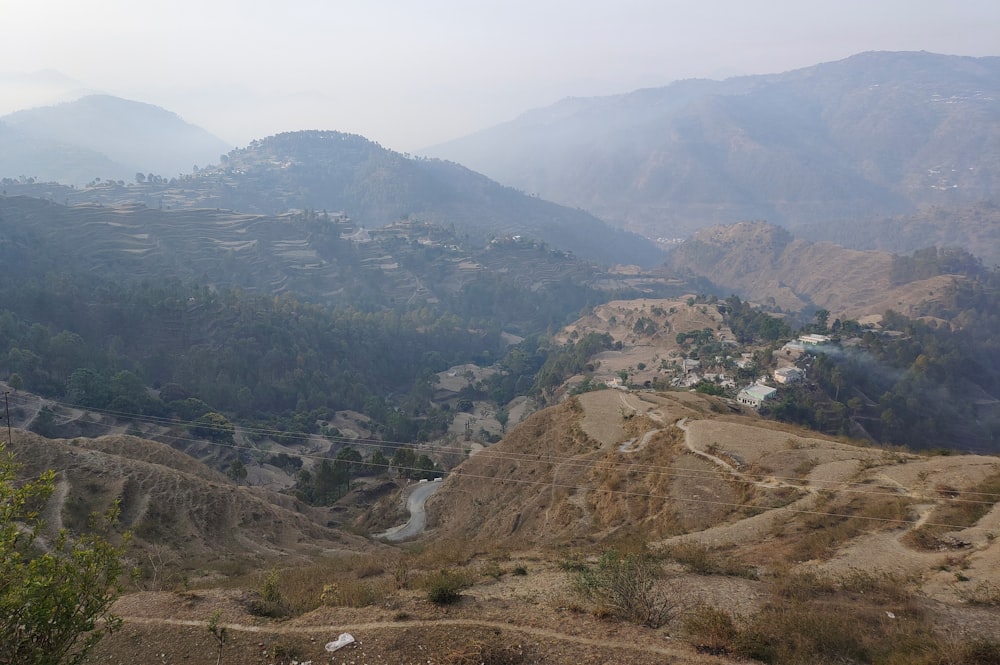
pixel 628 587
pixel 698 559
pixel 272 602
pixel 710 629
pixel 983 593
pixel 54 606
pixel 445 587
pixel 355 593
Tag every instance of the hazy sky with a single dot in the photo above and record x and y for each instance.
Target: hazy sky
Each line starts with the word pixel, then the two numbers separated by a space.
pixel 411 73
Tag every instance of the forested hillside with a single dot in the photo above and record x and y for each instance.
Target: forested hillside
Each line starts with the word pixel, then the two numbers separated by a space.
pixel 277 320
pixel 873 135
pixel 346 173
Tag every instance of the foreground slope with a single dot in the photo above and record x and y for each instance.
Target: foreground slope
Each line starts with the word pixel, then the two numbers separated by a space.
pixel 679 468
pixel 781 530
pixel 187 520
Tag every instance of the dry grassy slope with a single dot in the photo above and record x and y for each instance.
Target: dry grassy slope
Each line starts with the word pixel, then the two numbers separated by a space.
pixel 561 476
pixel 610 464
pixel 762 263
pixel 618 319
pixel 190 515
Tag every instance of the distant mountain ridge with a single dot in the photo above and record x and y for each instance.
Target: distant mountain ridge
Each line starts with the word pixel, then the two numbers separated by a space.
pixel 765 263
pixel 337 172
pixel 876 133
pixel 102 137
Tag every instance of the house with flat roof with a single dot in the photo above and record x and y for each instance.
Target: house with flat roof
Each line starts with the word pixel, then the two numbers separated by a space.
pixel 786 375
pixel 754 395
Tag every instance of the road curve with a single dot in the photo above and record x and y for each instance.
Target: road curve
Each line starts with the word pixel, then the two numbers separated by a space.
pixel 418 496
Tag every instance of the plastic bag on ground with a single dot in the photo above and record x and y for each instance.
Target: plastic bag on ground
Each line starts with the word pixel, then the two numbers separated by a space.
pixel 342 641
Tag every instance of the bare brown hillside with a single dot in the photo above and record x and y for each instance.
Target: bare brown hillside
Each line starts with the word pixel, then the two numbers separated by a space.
pixel 187 520
pixel 762 262
pixel 790 537
pixel 672 470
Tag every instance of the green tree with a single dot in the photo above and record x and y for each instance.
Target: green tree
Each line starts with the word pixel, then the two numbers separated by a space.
pixel 54 604
pixel 15 382
pixel 214 426
pixel 822 317
pixel 237 472
pixel 503 416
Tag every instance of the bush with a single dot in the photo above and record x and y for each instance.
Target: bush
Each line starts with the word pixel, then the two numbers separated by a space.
pixel 54 606
pixel 628 586
pixel 272 602
pixel 445 587
pixel 710 629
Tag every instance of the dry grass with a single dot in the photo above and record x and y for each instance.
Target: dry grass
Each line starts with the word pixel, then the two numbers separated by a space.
pixel 838 522
pixel 699 559
pixel 958 510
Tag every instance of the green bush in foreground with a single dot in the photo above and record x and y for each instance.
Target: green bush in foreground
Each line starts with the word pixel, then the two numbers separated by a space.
pixel 54 603
pixel 445 587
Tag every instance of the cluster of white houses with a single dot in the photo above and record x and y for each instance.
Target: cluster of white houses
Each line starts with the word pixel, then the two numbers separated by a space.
pixel 756 394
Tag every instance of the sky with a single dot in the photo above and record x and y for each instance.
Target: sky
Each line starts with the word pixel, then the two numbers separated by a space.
pixel 410 74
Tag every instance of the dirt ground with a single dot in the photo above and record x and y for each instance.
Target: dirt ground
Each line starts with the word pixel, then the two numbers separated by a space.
pixel 517 619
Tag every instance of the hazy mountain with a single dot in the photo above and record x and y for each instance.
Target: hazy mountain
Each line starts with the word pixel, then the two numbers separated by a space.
pixel 374 186
pixel 99 136
pixel 875 133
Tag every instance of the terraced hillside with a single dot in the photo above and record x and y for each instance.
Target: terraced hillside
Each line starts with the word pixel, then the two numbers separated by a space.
pixel 320 257
pixel 332 171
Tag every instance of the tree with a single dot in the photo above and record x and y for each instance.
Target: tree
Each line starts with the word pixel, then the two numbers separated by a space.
pixel 237 472
pixel 54 604
pixel 503 416
pixel 822 317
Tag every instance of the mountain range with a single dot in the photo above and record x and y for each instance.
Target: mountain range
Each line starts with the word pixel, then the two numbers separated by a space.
pixel 100 136
pixel 374 186
pixel 878 133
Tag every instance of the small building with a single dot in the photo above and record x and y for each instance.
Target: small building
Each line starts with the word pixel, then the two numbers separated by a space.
pixel 814 340
pixel 794 347
pixel 755 395
pixel 786 375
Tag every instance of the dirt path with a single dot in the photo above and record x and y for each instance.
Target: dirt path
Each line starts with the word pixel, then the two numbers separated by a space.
pixel 542 633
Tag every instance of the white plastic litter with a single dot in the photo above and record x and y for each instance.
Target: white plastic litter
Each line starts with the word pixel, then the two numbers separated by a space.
pixel 342 641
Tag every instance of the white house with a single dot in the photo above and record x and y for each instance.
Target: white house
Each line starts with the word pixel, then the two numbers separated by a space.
pixel 785 375
pixel 755 394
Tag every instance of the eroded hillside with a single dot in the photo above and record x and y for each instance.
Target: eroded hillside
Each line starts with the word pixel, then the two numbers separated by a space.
pixel 764 263
pixel 676 470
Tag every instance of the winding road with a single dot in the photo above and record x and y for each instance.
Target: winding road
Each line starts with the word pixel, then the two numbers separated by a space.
pixel 418 516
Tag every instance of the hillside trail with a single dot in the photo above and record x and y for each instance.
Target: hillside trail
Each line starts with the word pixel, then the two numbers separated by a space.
pixel 757 525
pixel 328 630
pixel 885 550
pixel 630 446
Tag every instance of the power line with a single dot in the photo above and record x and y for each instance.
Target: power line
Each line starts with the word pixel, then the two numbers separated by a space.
pixel 563 461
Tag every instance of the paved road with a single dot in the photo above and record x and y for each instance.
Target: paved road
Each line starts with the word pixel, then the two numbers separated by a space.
pixel 419 494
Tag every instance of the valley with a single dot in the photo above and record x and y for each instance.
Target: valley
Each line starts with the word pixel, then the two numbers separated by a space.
pixel 735 400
